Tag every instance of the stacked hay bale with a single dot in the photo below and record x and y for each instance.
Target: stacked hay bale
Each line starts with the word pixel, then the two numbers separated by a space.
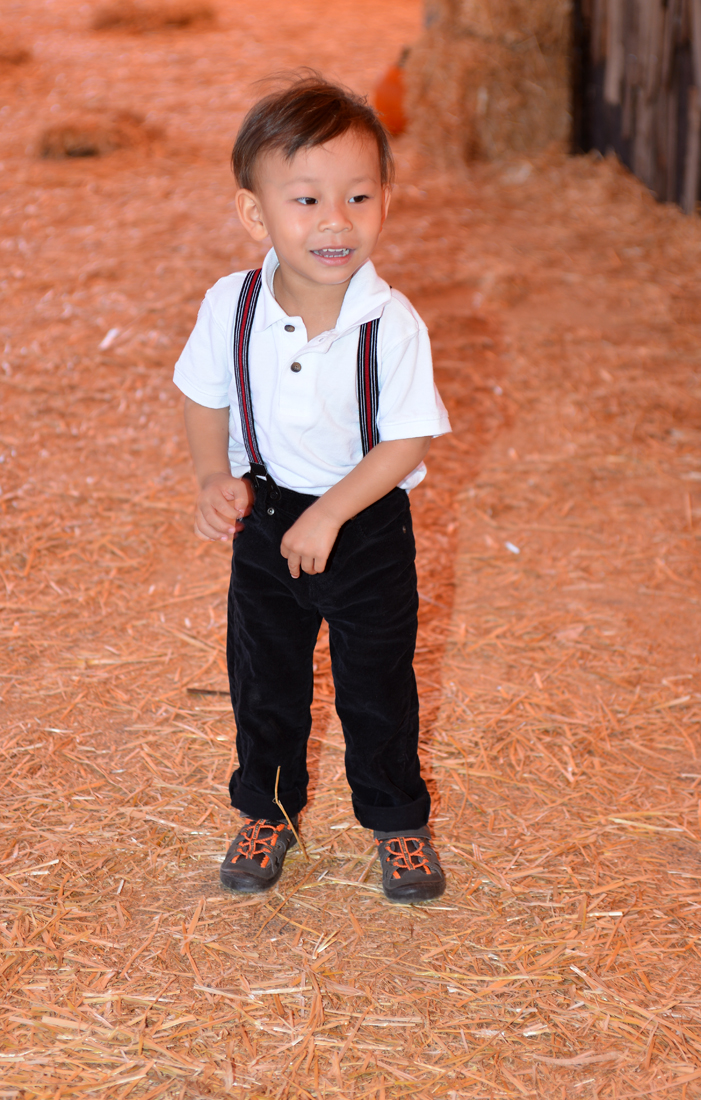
pixel 490 78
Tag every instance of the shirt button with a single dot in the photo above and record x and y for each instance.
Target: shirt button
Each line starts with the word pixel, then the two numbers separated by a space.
pixel 296 367
pixel 289 328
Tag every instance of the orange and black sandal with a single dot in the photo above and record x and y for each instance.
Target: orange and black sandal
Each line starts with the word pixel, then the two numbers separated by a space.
pixel 255 858
pixel 410 868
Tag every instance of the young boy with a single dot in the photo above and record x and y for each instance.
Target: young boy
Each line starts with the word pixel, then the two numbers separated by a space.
pixel 310 406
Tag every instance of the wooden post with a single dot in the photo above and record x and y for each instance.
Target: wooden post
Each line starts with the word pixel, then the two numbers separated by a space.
pixel 651 110
pixel 655 46
pixel 643 146
pixel 671 135
pixel 615 52
pixel 668 41
pixel 693 151
pixel 598 19
pixel 692 165
pixel 696 40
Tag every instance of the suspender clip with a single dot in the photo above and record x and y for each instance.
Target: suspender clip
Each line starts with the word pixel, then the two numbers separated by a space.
pixel 263 482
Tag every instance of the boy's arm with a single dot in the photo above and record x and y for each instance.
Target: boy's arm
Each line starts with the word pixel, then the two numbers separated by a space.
pixel 310 540
pixel 223 500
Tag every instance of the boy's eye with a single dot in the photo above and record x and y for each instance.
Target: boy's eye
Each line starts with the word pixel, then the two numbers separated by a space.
pixel 359 198
pixel 307 200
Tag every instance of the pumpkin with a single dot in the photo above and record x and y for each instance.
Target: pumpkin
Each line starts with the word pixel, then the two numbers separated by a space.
pixel 388 98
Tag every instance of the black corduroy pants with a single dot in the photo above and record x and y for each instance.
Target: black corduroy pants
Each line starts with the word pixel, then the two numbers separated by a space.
pixel 368 596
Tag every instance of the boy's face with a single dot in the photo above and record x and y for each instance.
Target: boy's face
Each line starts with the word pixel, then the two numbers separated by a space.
pixel 323 210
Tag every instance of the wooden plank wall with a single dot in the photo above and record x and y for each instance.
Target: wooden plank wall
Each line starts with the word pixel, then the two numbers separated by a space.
pixel 637 90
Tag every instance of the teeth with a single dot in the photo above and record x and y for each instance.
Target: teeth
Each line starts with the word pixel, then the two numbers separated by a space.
pixel 332 253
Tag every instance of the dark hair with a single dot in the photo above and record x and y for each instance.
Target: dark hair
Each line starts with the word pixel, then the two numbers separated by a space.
pixel 310 111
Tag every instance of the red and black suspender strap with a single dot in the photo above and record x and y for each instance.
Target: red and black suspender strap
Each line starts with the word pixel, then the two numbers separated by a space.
pixel 367 378
pixel 245 310
pixel 368 384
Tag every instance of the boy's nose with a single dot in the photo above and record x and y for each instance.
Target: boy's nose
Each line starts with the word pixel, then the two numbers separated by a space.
pixel 335 218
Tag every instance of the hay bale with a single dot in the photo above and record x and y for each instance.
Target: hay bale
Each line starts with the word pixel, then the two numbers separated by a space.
pixel 490 78
pixel 141 18
pixel 94 134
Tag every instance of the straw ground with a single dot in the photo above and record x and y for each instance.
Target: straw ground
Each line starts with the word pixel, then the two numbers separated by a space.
pixel 96 134
pixel 140 18
pixel 559 683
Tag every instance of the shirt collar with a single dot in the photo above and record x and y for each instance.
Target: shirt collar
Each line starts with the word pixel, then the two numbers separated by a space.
pixel 366 297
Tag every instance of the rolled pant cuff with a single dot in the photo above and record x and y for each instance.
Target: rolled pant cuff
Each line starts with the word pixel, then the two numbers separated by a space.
pixel 258 806
pixel 387 819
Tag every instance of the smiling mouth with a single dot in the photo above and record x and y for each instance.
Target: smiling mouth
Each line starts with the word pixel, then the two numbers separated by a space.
pixel 332 253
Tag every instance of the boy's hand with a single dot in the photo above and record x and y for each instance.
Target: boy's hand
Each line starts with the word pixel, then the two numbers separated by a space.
pixel 222 504
pixel 309 541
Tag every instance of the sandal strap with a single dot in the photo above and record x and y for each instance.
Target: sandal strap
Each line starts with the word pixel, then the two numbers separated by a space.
pixel 257 839
pixel 404 858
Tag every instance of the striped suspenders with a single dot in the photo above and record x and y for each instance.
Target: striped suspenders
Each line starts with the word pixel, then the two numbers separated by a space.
pixel 368 386
pixel 367 380
pixel 245 310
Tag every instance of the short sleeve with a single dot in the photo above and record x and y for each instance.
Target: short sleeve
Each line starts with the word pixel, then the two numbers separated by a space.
pixel 409 403
pixel 204 371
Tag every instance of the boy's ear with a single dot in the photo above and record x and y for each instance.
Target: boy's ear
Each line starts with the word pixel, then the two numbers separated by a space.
pixel 386 199
pixel 250 214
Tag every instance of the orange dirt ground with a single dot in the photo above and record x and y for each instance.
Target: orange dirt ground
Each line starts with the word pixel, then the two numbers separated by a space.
pixel 559 683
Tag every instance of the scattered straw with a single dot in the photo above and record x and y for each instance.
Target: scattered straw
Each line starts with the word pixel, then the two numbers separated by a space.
pixel 559 685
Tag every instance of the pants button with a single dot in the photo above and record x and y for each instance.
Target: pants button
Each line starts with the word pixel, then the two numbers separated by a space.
pixel 271 511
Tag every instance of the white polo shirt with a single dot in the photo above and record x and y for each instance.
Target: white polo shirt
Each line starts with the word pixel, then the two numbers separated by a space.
pixel 307 420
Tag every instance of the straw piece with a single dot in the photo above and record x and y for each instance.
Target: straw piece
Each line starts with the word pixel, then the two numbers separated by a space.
pixel 278 803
